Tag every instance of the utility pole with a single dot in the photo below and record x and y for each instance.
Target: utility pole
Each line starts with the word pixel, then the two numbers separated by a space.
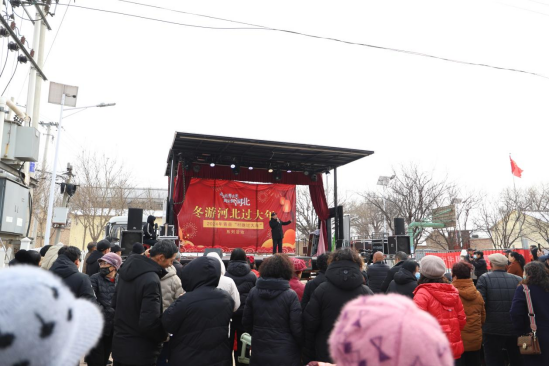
pixel 66 197
pixel 48 126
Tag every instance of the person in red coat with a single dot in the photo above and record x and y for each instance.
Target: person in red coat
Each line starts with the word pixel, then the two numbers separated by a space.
pixel 295 284
pixel 436 296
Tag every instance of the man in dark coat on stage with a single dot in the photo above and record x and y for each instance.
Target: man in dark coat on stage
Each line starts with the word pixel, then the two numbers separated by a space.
pixel 277 232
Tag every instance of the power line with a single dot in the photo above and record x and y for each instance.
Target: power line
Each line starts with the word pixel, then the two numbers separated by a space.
pixel 56 33
pixel 259 27
pixel 517 7
pixel 5 63
pixel 12 75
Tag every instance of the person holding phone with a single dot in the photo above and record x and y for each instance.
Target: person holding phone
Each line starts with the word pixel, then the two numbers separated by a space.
pixel 277 232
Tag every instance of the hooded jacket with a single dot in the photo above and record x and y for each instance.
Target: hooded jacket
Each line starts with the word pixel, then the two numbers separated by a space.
pixel 474 307
pixel 137 302
pixel 149 232
pixel 376 274
pixel 92 266
pixel 442 301
pixel 244 279
pixel 170 284
pixel 226 283
pixel 497 289
pixel 404 282
pixel 104 290
pixel 78 283
pixel 390 276
pixel 273 316
pixel 199 320
pixel 311 286
pixel 344 283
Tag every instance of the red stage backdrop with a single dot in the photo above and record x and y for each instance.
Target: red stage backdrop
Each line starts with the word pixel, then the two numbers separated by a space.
pixel 232 214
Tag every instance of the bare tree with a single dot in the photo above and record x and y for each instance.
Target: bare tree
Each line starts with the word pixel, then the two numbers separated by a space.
pixel 148 199
pixel 537 206
pixel 103 190
pixel 465 203
pixel 40 198
pixel 411 195
pixel 366 218
pixel 503 219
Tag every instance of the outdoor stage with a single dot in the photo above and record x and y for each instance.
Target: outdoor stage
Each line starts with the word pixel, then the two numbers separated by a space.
pixel 311 262
pixel 222 191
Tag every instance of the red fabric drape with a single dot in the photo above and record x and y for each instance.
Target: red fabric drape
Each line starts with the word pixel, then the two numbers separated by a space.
pixel 255 175
pixel 178 195
pixel 319 202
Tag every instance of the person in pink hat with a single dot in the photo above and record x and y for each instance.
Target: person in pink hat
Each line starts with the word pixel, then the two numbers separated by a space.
pixel 388 330
pixel 295 284
pixel 103 284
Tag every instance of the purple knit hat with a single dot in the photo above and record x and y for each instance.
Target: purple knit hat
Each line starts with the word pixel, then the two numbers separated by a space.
pixel 388 330
pixel 111 258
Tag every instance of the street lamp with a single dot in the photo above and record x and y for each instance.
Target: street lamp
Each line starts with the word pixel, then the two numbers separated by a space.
pixel 60 94
pixel 384 181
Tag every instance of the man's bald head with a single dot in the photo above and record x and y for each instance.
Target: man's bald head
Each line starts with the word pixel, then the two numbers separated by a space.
pixel 378 256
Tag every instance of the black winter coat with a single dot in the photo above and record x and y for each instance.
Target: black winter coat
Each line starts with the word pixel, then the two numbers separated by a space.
pixel 497 289
pixel 273 316
pixel 200 318
pixel 377 273
pixel 104 290
pixel 344 283
pixel 137 302
pixel 480 266
pixel 244 279
pixel 311 286
pixel 78 283
pixel 389 276
pixel 404 282
pixel 277 228
pixel 92 266
pixel 149 232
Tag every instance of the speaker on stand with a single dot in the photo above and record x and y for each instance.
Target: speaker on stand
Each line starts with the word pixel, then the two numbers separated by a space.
pixel 127 240
pixel 135 219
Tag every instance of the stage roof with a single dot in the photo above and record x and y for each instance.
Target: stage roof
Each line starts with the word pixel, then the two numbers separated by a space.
pixel 260 154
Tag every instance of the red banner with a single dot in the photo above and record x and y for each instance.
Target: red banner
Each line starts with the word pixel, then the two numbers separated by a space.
pixel 451 258
pixel 231 214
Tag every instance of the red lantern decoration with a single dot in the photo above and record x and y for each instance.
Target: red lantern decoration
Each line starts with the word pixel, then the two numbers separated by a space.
pixel 287 207
pixel 282 200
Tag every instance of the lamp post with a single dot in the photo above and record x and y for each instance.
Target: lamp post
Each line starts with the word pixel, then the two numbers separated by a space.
pixel 63 95
pixel 384 181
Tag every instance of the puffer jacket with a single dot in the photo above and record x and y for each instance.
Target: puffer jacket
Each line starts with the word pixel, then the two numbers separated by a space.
pixel 311 286
pixel 199 320
pixel 480 266
pixel 245 280
pixel 139 334
pixel 497 289
pixel 389 276
pixel 442 301
pixel 78 283
pixel 104 290
pixel 474 307
pixel 344 283
pixel 171 288
pixel 404 282
pixel 297 286
pixel 376 274
pixel 273 316
pixel 226 283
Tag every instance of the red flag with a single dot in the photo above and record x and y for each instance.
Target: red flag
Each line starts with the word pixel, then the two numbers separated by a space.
pixel 516 171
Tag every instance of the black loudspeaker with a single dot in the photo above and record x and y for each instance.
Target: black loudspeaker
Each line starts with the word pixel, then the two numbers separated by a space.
pixel 392 245
pixel 135 217
pixel 216 250
pixel 127 240
pixel 399 226
pixel 403 244
pixel 170 231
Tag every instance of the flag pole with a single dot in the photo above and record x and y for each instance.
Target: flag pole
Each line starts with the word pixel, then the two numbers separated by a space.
pixel 513 176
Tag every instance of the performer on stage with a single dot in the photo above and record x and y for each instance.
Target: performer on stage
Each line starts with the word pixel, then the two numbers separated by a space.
pixel 277 232
pixel 149 232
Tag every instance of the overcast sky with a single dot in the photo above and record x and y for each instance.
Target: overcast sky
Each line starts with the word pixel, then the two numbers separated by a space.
pixel 451 118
